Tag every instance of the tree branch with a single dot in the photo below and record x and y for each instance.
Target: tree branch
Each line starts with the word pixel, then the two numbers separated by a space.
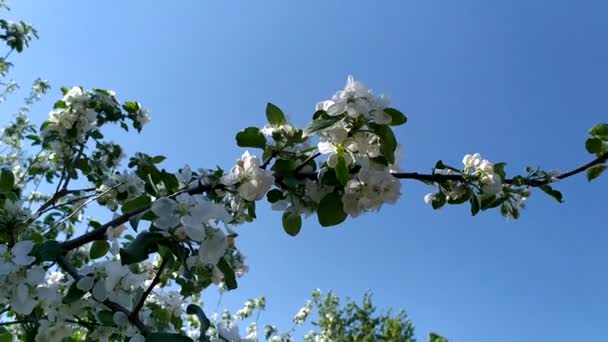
pixel 99 233
pixel 154 282
pixel 438 178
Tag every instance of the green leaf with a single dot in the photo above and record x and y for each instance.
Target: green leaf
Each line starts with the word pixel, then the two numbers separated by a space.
pixel 499 168
pixel 274 195
pixel 60 104
pixel 331 210
pixel 397 118
pixel 73 295
pixel 594 145
pixel 600 131
pixel 158 159
pixel 552 192
pixel 320 114
pixel 130 107
pixel 342 173
pixel 7 180
pixel 106 317
pixel 98 249
pixel 319 124
pixel 433 337
pixel 139 249
pixel 96 135
pixel 283 166
pixel 251 137
pixel 292 222
pixel 167 337
pixel 388 142
pixel 274 115
pixel 136 204
pixel 595 171
pixel 194 309
pixel 229 276
pixel 47 251
pixel 474 205
pixel 438 201
pixel 5 335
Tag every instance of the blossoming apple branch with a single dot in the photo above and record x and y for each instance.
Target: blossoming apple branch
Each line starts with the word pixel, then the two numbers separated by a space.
pixel 344 163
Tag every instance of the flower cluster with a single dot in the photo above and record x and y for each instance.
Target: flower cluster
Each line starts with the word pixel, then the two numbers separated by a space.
pixel 357 100
pixel 252 181
pixel 70 123
pixel 491 182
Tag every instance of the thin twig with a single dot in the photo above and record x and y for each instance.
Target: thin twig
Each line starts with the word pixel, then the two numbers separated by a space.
pixel 75 211
pixel 438 178
pixel 16 322
pixel 154 282
pixel 99 233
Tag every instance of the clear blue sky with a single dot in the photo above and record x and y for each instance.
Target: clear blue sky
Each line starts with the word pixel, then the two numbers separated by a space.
pixel 518 81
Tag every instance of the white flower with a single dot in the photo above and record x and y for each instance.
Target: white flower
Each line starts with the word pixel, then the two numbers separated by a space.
pixel 491 184
pixel 35 275
pixel 471 160
pixel 229 331
pixel 165 210
pixel 21 300
pixel 355 100
pixel 253 181
pixel 213 248
pixel 332 142
pixel 142 116
pixel 428 199
pixel 369 190
pixel 113 234
pixel 21 251
pixel 185 175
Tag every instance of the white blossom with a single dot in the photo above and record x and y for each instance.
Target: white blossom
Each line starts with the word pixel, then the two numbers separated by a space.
pixel 253 181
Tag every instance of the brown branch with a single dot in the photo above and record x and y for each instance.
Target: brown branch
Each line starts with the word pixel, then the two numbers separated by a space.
pixel 99 233
pixel 154 282
pixel 438 178
pixel 115 307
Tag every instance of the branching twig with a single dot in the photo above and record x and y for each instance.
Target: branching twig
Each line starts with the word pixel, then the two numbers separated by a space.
pixel 438 178
pixel 94 197
pixel 99 233
pixel 154 282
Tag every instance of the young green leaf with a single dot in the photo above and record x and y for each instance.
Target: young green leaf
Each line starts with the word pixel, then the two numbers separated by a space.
pixel 595 171
pixel 319 124
pixel 593 145
pixel 600 131
pixel 7 180
pixel 136 204
pixel 342 173
pixel 397 118
pixel 274 115
pixel 99 248
pixel 331 210
pixel 229 276
pixel 292 222
pixel 251 137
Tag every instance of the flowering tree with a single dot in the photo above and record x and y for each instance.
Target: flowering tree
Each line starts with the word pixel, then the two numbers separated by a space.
pixel 64 276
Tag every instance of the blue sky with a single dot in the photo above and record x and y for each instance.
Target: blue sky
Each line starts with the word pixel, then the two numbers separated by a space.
pixel 518 81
